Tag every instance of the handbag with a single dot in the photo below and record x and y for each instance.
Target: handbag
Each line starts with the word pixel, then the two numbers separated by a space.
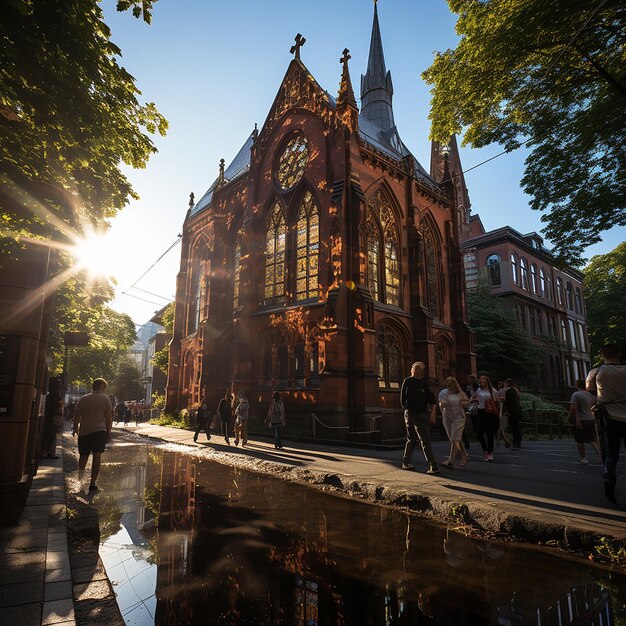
pixel 491 407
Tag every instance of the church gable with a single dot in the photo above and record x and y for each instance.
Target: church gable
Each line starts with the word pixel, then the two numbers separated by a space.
pixel 299 90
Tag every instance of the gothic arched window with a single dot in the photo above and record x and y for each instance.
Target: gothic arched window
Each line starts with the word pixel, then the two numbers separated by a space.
pixel 432 274
pixel 559 290
pixel 307 249
pixel 195 303
pixel 493 268
pixel 383 260
pixel 388 358
pixel 275 243
pixel 542 283
pixel 236 275
pixel 533 278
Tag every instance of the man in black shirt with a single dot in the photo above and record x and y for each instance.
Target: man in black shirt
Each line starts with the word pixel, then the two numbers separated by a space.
pixel 418 402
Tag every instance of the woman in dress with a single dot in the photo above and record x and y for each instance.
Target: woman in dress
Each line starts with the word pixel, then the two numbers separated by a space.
pixel 487 421
pixel 452 402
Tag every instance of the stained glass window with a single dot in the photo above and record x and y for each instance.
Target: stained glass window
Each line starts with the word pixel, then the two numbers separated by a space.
pixel 373 262
pixel 306 602
pixel 292 162
pixel 388 357
pixel 432 278
pixel 307 249
pixel 275 241
pixel 383 275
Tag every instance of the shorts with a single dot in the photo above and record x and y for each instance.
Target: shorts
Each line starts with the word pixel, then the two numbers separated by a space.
pixel 93 442
pixel 587 433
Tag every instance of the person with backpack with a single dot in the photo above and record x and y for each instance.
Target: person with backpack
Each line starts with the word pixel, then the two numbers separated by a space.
pixel 582 421
pixel 242 413
pixel 276 418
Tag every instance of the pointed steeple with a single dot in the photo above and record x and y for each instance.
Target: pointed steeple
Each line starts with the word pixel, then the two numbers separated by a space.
pixel 376 86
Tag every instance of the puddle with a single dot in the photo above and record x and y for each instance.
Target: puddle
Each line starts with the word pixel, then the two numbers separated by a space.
pixel 188 541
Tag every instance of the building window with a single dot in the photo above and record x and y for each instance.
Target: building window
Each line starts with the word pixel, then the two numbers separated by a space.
pixel 578 301
pixel 583 338
pixel 292 162
pixel 533 278
pixel 388 358
pixel 307 249
pixel 514 271
pixel 551 325
pixel 195 304
pixel 559 290
pixel 523 271
pixel 493 269
pixel 563 331
pixel 383 274
pixel 573 335
pixel 534 325
pixel 306 603
pixel 432 278
pixel 275 240
pixel 236 274
pixel 542 283
pixel 569 295
pixel 373 262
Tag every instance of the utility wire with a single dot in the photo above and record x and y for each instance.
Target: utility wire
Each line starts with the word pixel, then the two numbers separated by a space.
pixel 152 293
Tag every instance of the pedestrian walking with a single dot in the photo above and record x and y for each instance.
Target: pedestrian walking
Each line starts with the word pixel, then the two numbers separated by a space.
pixel 203 420
pixel 92 422
pixel 503 417
pixel 418 402
pixel 225 411
pixel 472 407
pixel 486 416
pixel 241 419
pixel 452 402
pixel 582 421
pixel 609 381
pixel 276 418
pixel 513 410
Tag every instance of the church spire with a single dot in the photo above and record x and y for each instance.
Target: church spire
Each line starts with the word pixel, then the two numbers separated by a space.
pixel 376 86
pixel 347 109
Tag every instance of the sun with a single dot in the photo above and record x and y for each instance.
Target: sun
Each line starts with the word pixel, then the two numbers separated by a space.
pixel 93 254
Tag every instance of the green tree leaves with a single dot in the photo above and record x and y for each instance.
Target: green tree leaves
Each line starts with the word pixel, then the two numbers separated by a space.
pixel 605 299
pixel 502 347
pixel 552 74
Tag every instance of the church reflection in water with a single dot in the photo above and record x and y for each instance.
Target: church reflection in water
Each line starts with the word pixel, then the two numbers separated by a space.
pixel 222 546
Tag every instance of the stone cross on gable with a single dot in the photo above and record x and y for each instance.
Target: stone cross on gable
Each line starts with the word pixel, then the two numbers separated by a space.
pixel 346 57
pixel 300 41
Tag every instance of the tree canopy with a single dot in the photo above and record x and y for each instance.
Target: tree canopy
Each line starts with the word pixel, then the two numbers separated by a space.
pixel 161 358
pixel 69 117
pixel 502 347
pixel 551 75
pixel 605 299
pixel 79 307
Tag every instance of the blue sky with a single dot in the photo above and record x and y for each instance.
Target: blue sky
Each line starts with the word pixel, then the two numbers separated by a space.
pixel 213 70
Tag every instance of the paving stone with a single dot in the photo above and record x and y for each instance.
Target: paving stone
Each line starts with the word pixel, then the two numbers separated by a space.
pixel 58 590
pixel 88 559
pixel 57 575
pixel 22 568
pixel 57 559
pixel 57 542
pixel 57 611
pixel 22 615
pixel 13 595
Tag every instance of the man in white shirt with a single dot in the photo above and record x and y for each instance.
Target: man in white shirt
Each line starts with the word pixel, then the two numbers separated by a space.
pixel 93 422
pixel 609 382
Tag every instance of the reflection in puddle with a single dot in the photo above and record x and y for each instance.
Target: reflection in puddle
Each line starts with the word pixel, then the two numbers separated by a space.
pixel 188 541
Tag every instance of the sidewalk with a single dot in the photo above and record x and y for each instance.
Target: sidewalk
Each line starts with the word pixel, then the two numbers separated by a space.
pixel 35 575
pixel 539 493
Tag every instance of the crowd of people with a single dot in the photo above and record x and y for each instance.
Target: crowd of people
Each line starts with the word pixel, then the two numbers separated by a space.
pixel 597 414
pixel 239 408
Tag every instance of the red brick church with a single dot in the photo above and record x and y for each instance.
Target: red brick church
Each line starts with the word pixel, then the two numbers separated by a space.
pixel 322 262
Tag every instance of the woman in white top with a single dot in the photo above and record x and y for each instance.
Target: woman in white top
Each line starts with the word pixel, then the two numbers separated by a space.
pixel 452 402
pixel 487 420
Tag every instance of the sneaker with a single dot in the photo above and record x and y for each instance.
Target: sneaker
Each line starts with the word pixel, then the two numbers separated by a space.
pixel 195 438
pixel 490 458
pixel 433 469
pixel 208 437
pixel 93 487
pixel 583 461
pixel 485 456
pixel 407 466
pixel 236 442
pixel 227 440
pixel 447 463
